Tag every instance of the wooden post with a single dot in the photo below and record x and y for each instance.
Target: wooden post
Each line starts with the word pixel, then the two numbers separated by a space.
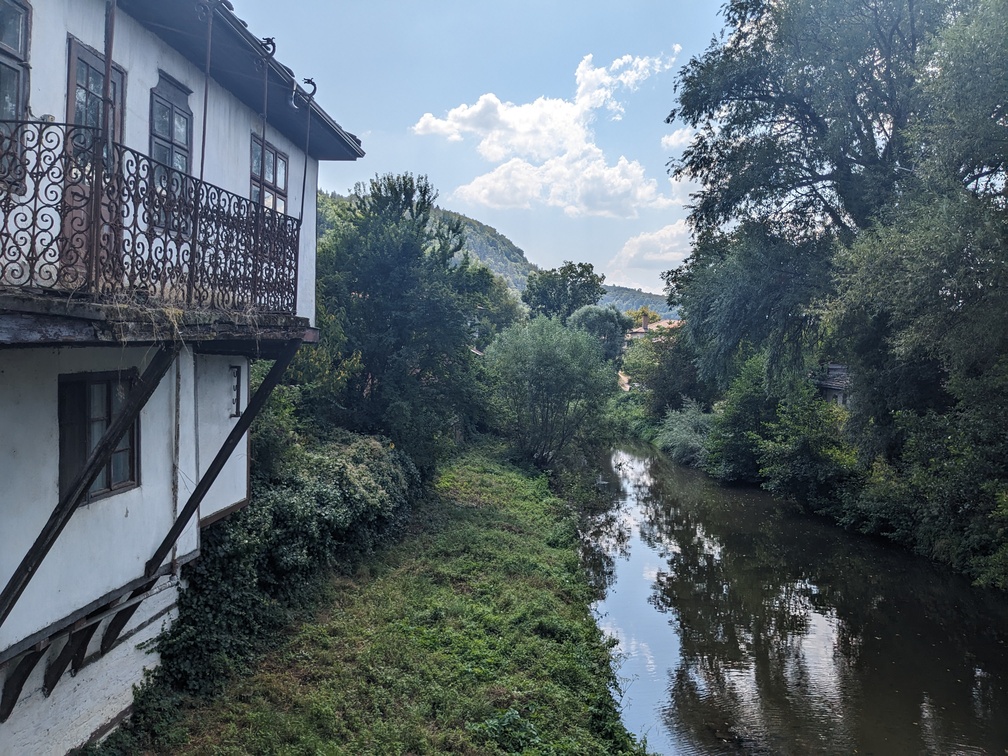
pixel 135 402
pixel 255 405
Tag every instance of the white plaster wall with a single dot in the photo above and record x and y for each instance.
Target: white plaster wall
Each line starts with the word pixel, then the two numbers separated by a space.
pixel 230 123
pixel 107 543
pixel 83 704
pixel 213 377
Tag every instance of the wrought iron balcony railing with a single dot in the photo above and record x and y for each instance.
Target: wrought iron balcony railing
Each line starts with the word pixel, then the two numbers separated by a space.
pixel 78 216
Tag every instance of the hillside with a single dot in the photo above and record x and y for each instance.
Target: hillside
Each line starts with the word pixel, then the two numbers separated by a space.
pixel 500 254
pixel 505 259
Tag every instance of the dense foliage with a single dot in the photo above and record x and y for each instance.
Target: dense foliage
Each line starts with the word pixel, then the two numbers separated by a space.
pixel 559 292
pixel 853 208
pixel 400 313
pixel 607 324
pixel 549 385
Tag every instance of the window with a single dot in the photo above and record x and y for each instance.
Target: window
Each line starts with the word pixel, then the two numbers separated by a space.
pixel 13 59
pixel 87 404
pixel 269 171
pixel 171 121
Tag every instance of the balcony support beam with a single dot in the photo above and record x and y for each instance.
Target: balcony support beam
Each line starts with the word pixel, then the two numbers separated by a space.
pixel 256 402
pixel 135 402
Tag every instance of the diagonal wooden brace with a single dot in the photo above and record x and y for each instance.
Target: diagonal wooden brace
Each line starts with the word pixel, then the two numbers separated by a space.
pixel 255 405
pixel 135 402
pixel 15 682
pixel 118 622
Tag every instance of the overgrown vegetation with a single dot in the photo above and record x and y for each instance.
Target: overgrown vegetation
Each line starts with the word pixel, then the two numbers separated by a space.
pixel 470 635
pixel 852 209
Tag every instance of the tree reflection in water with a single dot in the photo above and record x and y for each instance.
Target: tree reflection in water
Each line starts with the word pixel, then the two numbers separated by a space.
pixel 796 637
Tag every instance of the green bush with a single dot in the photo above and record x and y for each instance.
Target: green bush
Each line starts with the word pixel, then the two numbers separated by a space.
pixel 550 384
pixel 347 496
pixel 683 434
pixel 806 455
pixel 740 422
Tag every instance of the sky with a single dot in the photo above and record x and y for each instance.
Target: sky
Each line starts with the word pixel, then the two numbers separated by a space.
pixel 544 120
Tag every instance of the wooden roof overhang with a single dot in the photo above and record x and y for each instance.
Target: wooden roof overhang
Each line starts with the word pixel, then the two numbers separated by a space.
pixel 236 58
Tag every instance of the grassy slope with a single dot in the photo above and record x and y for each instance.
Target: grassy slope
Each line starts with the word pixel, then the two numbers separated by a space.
pixel 472 635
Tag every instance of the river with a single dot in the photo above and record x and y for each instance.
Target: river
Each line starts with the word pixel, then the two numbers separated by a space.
pixel 746 626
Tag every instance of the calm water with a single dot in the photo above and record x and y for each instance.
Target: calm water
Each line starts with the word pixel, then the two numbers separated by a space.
pixel 747 627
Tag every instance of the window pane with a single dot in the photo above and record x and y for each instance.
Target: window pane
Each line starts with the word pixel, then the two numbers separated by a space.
pixel 9 92
pixel 161 152
pixel 256 158
pixel 80 106
pixel 161 118
pixel 255 194
pixel 181 129
pixel 121 472
pixel 82 70
pixel 92 115
pixel 180 161
pixel 281 173
pixel 267 198
pixel 12 27
pixel 96 428
pixel 120 390
pixel 96 81
pixel 281 205
pixel 97 401
pixel 269 166
pixel 101 482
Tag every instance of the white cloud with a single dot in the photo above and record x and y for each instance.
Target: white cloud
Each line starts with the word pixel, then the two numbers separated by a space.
pixel 544 151
pixel 677 139
pixel 644 256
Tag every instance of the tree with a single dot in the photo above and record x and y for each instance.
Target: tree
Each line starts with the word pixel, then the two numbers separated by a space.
pixel 399 308
pixel 607 324
pixel 559 292
pixel 804 116
pixel 549 385
pixel 640 312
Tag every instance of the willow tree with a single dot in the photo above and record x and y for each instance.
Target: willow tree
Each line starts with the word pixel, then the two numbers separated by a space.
pixel 802 115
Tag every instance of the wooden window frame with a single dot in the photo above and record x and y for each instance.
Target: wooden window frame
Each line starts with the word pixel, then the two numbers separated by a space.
pixel 80 51
pixel 17 59
pixel 279 191
pixel 174 95
pixel 82 439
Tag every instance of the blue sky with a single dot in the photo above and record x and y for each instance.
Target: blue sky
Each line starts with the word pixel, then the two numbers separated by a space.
pixel 542 119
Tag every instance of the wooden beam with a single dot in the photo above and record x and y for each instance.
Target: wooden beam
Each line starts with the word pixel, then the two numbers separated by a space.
pixel 255 405
pixel 118 622
pixel 74 650
pixel 135 402
pixel 15 683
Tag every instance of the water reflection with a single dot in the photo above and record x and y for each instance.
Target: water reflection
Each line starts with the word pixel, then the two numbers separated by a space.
pixel 747 626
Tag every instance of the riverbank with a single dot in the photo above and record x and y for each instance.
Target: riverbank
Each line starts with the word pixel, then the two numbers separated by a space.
pixel 472 634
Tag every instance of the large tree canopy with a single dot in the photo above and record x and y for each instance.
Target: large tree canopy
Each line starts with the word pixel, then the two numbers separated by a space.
pixel 559 292
pixel 853 205
pixel 802 111
pixel 403 312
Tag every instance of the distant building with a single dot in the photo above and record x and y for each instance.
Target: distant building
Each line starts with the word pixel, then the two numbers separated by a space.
pixel 158 171
pixel 833 383
pixel 651 328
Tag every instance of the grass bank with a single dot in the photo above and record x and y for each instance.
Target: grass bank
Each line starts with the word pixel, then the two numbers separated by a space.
pixel 472 634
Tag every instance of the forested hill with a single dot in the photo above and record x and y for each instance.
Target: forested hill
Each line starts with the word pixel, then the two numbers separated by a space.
pixel 505 259
pixel 501 255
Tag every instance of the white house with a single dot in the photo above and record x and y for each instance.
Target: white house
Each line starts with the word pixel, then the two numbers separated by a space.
pixel 157 230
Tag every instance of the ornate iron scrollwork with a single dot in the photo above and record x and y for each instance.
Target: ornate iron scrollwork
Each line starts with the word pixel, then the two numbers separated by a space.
pixel 122 227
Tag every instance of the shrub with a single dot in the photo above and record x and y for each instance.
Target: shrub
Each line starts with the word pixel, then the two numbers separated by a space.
pixel 805 455
pixel 683 434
